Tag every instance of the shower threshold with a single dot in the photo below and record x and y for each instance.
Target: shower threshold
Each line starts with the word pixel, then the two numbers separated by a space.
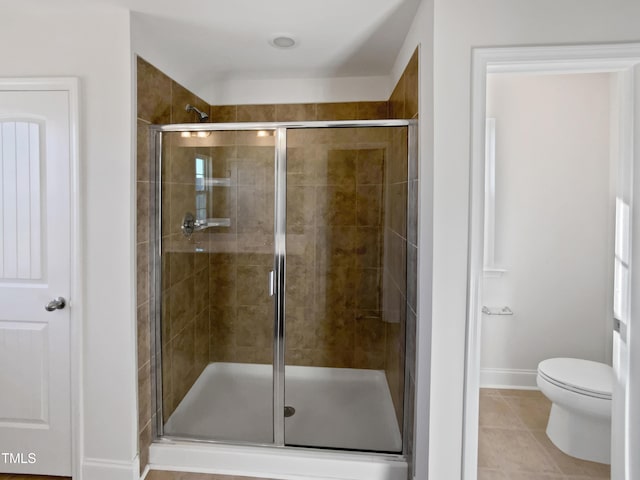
pixel 338 408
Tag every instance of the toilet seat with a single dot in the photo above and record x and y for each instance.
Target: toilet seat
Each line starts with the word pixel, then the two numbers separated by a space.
pixel 584 377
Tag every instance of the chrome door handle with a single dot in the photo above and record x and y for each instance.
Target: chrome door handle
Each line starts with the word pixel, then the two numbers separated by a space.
pixel 272 283
pixel 57 304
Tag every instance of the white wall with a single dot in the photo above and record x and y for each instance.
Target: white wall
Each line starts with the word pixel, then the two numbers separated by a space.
pixel 554 223
pixel 461 25
pixel 92 43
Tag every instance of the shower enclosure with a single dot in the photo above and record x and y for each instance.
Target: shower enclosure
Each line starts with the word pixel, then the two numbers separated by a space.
pixel 280 283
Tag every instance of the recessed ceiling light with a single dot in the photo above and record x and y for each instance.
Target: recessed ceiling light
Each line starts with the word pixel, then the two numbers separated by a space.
pixel 283 41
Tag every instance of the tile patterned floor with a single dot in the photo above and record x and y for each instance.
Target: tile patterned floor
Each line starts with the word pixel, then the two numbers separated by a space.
pixel 513 444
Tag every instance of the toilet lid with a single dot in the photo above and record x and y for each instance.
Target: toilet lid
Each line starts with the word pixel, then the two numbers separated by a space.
pixel 579 375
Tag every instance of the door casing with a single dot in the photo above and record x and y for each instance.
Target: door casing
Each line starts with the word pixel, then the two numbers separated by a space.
pixel 621 59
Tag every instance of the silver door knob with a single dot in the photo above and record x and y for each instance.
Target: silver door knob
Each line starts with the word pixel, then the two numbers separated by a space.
pixel 57 304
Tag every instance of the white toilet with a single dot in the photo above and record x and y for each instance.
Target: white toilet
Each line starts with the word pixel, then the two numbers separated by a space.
pixel 580 419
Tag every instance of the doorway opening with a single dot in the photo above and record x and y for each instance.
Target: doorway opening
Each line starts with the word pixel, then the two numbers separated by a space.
pixel 525 239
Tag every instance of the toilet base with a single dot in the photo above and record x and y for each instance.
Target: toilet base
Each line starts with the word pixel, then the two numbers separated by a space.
pixel 581 436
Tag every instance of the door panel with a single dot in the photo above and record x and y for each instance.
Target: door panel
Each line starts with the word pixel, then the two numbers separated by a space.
pixel 217 312
pixel 345 287
pixel 35 258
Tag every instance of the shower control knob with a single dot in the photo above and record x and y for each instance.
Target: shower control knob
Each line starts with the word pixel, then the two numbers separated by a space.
pixel 57 304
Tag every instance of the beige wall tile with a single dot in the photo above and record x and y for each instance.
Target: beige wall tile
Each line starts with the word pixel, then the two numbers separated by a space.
pixel 144 396
pixel 397 208
pixel 201 284
pixel 144 441
pixel 255 326
pixel 224 113
pixel 300 286
pixel 296 112
pixel 253 285
pixel 222 285
pixel 222 325
pixel 142 277
pixel 142 151
pixel 370 166
pixel 368 289
pixel 182 311
pixel 335 247
pixel 154 93
pixel 183 360
pixel 143 213
pixel 144 332
pixel 340 167
pixel 368 247
pixel 335 205
pixel 411 87
pixel 256 113
pixel 372 110
pixel 369 205
pixel 336 290
pixel 201 340
pixel 180 265
pixel 396 100
pixel 337 111
pixel 300 329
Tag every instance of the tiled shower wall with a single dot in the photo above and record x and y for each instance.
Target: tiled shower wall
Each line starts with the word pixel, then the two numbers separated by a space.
pixel 334 197
pixel 334 249
pixel 160 100
pixel 400 258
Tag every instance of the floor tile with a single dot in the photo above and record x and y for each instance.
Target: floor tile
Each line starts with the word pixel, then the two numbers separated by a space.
pixel 490 391
pixel 532 411
pixel 496 412
pixel 569 465
pixel 512 450
pixel 491 474
pixel 507 392
pixel 506 451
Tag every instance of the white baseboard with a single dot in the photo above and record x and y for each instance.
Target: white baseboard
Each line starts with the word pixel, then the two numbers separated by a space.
pixel 100 469
pixel 508 378
pixel 145 473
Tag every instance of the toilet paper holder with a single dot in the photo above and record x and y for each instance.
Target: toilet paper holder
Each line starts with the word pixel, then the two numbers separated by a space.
pixel 497 311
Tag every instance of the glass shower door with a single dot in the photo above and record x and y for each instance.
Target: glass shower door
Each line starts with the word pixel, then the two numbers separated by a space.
pixel 345 287
pixel 216 220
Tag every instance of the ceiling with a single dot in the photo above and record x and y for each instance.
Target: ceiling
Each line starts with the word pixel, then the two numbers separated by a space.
pixel 214 40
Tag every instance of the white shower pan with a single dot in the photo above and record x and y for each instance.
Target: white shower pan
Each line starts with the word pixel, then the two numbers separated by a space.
pixel 337 408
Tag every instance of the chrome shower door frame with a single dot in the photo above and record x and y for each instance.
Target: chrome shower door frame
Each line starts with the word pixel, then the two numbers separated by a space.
pixel 279 263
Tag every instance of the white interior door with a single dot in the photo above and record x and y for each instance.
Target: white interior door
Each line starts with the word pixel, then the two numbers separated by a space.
pixel 35 256
pixel 623 261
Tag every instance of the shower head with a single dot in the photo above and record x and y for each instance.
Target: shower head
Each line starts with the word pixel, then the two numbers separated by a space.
pixel 202 115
